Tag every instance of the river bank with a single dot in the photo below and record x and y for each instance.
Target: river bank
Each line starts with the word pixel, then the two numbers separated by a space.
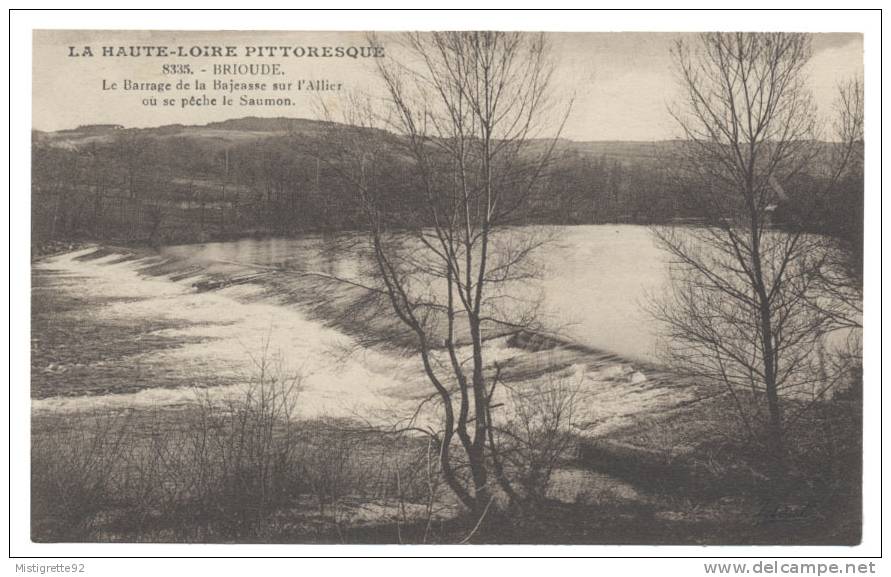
pixel 184 474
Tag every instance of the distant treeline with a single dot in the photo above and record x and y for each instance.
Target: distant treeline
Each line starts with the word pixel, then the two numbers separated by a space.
pixel 273 177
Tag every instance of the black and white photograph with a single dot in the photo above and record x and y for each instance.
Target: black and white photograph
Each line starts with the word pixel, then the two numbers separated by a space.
pixel 447 287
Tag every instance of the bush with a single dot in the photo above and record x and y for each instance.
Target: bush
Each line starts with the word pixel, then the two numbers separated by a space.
pixel 228 467
pixel 73 473
pixel 540 431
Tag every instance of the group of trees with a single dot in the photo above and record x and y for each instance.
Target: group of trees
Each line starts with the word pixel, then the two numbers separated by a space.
pixel 754 290
pixel 126 184
pixel 265 176
pixel 162 185
pixel 586 189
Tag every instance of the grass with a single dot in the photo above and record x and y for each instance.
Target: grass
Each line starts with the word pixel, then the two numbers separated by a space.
pixel 700 465
pixel 240 468
pixel 237 471
pixel 218 470
pixel 191 476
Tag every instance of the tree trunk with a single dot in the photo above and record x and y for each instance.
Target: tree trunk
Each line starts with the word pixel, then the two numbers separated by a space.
pixel 480 406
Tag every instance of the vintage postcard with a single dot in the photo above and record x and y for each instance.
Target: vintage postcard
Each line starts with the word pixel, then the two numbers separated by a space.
pixel 449 287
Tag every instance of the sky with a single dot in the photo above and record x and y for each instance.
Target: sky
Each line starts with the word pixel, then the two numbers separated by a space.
pixel 621 83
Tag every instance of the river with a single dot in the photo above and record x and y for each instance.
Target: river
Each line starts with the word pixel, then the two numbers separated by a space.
pixel 595 279
pixel 121 328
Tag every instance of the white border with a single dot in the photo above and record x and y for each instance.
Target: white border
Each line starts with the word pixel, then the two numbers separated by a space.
pixel 20 53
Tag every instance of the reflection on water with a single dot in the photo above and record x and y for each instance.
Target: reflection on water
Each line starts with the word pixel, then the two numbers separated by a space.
pixel 594 282
pixel 597 283
pixel 335 255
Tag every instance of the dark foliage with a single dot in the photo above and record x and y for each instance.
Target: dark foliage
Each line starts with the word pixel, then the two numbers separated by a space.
pixel 257 176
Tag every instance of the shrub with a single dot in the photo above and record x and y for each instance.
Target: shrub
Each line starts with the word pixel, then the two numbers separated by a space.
pixel 540 430
pixel 73 472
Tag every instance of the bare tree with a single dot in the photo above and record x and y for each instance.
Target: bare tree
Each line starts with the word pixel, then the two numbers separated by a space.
pixel 739 309
pixel 841 277
pixel 541 428
pixel 460 115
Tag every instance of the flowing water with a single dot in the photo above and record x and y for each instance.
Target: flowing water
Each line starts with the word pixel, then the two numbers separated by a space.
pixel 595 279
pixel 120 329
